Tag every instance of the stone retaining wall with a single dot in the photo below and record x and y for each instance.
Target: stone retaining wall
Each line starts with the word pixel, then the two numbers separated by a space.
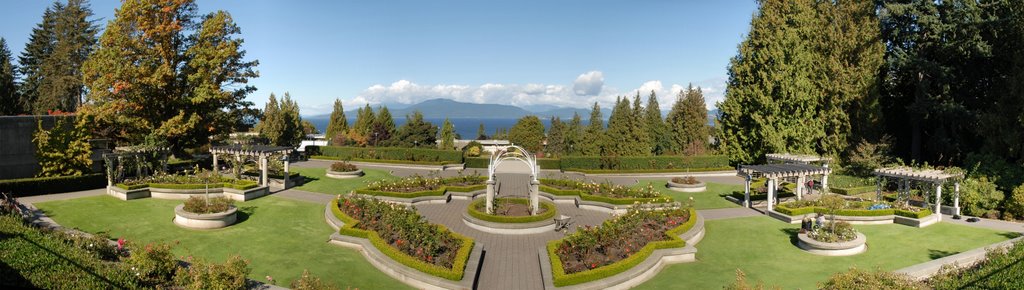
pixel 862 220
pixel 181 194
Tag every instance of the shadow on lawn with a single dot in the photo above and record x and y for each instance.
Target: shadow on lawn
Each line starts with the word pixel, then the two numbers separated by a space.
pixel 1010 235
pixel 935 254
pixel 244 212
pixel 791 232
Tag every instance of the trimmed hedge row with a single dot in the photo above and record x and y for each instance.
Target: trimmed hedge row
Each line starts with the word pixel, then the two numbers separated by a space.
pixel 544 163
pixel 612 171
pixel 852 190
pixel 562 279
pixel 549 212
pixel 597 198
pixel 45 185
pixel 917 215
pixel 454 274
pixel 783 209
pixel 392 153
pixel 643 162
pixel 322 157
pixel 739 195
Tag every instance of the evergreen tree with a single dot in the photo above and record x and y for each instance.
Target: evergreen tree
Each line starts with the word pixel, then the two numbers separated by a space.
pixel 271 126
pixel 675 126
pixel 480 133
pixel 74 35
pixel 39 46
pixel 528 132
pixel 500 134
pixel 447 135
pixel 695 122
pixel 573 135
pixel 619 135
pixel 160 69
pixel 416 132
pixel 656 126
pixel 593 139
pixel 383 128
pixel 8 91
pixel 338 123
pixel 638 130
pixel 556 137
pixel 294 130
pixel 364 122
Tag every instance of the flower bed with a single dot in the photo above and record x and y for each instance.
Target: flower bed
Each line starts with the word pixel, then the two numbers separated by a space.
pixel 686 184
pixel 833 239
pixel 618 245
pixel 417 186
pixel 851 208
pixel 477 209
pixel 203 213
pixel 186 182
pixel 404 236
pixel 603 192
pixel 343 170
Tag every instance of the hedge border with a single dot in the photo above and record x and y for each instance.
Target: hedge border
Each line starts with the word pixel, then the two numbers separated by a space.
pixel 23 187
pixel 852 212
pixel 550 211
pixel 389 161
pixel 679 170
pixel 392 153
pixel 561 279
pixel 611 200
pixel 455 273
pixel 853 190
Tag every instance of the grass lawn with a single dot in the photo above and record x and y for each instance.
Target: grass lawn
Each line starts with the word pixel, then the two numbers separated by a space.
pixel 709 199
pixel 280 237
pixel 765 250
pixel 317 180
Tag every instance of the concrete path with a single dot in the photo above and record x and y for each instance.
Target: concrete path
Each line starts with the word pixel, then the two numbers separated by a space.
pixel 62 196
pixel 986 224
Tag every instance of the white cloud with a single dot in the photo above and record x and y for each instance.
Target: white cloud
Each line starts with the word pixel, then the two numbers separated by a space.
pixel 589 83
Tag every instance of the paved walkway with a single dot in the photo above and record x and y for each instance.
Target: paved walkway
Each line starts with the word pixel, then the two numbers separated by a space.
pixel 62 196
pixel 986 224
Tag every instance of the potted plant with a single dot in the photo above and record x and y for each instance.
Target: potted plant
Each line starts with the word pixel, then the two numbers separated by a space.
pixel 686 184
pixel 342 170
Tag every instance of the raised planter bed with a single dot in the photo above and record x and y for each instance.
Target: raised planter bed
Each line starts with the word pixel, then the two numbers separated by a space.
pixel 919 219
pixel 181 194
pixel 344 174
pixel 700 186
pixel 204 221
pixel 849 248
pixel 511 225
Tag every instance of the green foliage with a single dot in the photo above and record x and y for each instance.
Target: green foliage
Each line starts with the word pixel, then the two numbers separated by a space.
pixel 202 205
pixel 867 156
pixel 481 134
pixel 592 142
pixel 477 209
pixel 650 162
pixel 154 264
pixel 447 135
pixel 687 123
pixel 9 99
pixel 205 275
pixel 338 123
pixel 620 134
pixel 1015 203
pixel 869 280
pixel 1001 269
pixel 472 149
pixel 52 61
pixel 45 185
pixel 416 132
pixel 64 150
pixel 343 167
pixel 656 128
pixel 528 132
pixel 979 196
pixel 183 91
pixel 364 122
pixel 556 138
pixel 392 153
pixel 573 135
pixel 281 124
pixel 309 282
pixel 382 129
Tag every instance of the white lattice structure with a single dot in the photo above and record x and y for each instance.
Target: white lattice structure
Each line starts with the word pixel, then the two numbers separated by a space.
pixel 518 154
pixel 937 178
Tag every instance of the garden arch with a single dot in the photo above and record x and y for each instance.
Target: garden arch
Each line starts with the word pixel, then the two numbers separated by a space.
pixel 521 155
pixel 906 175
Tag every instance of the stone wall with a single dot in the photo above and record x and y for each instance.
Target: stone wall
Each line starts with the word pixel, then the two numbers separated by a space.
pixel 17 152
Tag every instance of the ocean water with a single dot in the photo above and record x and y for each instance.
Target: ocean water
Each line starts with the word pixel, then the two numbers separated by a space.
pixel 465 127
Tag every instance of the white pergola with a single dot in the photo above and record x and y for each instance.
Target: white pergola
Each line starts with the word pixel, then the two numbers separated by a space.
pixel 261 152
pixel 519 154
pixel 802 159
pixel 905 175
pixel 774 172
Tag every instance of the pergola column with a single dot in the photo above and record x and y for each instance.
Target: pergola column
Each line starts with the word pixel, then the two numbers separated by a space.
pixel 824 179
pixel 878 188
pixel 534 195
pixel 800 183
pixel 956 198
pixel 938 200
pixel 746 192
pixel 286 179
pixel 263 169
pixel 490 195
pixel 237 168
pixel 215 169
pixel 771 193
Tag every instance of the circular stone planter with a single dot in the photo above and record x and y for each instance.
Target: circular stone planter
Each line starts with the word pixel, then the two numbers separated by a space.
pixel 204 221
pixel 519 225
pixel 344 174
pixel 849 248
pixel 682 187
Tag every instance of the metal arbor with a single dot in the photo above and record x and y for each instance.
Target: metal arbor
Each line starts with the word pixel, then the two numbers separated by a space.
pixel 519 154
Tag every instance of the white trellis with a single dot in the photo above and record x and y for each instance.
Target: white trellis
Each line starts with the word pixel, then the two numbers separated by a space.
pixel 519 154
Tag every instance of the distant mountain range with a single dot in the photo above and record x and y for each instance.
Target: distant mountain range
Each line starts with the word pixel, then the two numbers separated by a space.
pixel 446 108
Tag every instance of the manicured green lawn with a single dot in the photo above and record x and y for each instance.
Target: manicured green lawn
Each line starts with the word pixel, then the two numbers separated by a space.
pixel 709 199
pixel 280 237
pixel 317 180
pixel 762 248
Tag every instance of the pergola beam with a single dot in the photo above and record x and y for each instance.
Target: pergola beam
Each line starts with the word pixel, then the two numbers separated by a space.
pixel 934 177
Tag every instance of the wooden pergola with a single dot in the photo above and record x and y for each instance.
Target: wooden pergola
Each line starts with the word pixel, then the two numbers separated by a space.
pixel 802 159
pixel 905 175
pixel 774 172
pixel 137 156
pixel 261 152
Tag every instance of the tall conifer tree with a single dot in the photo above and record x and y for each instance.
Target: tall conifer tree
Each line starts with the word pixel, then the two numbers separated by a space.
pixel 338 124
pixel 447 135
pixel 593 139
pixel 655 125
pixel 8 91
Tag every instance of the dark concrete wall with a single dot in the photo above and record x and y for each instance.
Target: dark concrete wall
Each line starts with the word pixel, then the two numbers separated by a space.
pixel 17 152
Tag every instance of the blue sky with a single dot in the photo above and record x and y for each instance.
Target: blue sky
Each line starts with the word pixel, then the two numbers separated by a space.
pixel 525 53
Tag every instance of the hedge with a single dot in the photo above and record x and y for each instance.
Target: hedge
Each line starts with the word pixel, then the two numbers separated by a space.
pixel 783 209
pixel 46 185
pixel 322 157
pixel 852 190
pixel 467 188
pixel 739 195
pixel 910 214
pixel 392 153
pixel 597 198
pixel 544 163
pixel 477 162
pixel 562 279
pixel 614 171
pixel 454 274
pixel 643 162
pixel 549 212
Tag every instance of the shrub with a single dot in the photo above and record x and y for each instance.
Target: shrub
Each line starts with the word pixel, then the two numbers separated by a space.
pixel 154 264
pixel 202 205
pixel 867 156
pixel 46 185
pixel 606 189
pixel 418 183
pixel 979 196
pixel 742 284
pixel 98 245
pixel 392 153
pixel 343 166
pixel 478 210
pixel 1001 269
pixel 548 163
pixel 204 275
pixel 869 280
pixel 477 162
pixel 1015 205
pixel 645 162
pixel 834 232
pixel 685 180
pixel 310 282
pixel 472 149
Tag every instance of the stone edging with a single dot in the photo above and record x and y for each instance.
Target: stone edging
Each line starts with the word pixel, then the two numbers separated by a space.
pixel 682 187
pixel 401 272
pixel 165 193
pixel 863 220
pixel 849 248
pixel 344 174
pixel 966 259
pixel 639 274
pixel 508 228
pixel 448 196
pixel 204 221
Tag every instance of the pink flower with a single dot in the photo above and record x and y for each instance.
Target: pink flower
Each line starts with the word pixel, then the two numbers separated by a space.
pixel 120 243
